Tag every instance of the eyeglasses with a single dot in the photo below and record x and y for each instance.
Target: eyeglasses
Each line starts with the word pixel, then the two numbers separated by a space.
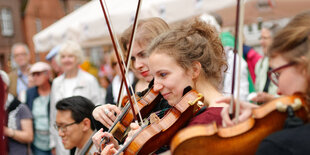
pixel 274 74
pixel 64 127
pixel 20 55
pixel 37 73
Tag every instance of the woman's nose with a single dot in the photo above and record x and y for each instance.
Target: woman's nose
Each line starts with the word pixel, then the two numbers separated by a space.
pixel 157 87
pixel 137 64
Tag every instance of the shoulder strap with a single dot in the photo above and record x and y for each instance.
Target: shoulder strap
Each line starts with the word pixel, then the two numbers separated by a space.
pixel 15 103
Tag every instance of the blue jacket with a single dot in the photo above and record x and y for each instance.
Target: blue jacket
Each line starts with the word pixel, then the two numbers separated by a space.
pixel 32 93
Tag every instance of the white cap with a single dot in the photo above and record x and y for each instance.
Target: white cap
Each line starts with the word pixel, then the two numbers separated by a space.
pixel 210 20
pixel 5 77
pixel 40 67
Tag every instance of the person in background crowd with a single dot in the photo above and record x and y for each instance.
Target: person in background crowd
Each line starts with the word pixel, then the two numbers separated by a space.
pixel 72 82
pixel 18 126
pixel 251 57
pixel 74 125
pixel 114 87
pixel 265 89
pixel 38 101
pixel 104 82
pixel 51 57
pixel 19 77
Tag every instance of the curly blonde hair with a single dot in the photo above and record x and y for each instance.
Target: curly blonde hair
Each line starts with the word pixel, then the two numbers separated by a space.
pixel 195 42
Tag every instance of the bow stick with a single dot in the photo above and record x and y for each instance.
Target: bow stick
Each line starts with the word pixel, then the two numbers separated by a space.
pixel 116 48
pixel 128 60
pixel 237 49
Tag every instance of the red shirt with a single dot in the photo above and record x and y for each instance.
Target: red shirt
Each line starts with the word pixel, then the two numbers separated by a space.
pixel 210 115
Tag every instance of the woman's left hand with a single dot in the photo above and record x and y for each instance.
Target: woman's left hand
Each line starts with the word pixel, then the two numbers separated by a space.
pixel 262 97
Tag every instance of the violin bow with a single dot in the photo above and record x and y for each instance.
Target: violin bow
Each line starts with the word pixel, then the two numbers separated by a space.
pixel 237 49
pixel 128 60
pixel 116 48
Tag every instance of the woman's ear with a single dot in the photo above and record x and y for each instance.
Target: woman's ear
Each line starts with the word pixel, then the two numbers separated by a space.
pixel 196 69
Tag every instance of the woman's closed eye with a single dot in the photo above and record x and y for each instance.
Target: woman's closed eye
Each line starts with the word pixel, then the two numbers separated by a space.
pixel 162 74
pixel 142 54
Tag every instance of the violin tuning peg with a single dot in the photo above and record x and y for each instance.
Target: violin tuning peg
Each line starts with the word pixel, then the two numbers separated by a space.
pixel 200 104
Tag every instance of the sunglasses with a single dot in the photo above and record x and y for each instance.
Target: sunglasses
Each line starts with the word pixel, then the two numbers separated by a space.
pixel 37 73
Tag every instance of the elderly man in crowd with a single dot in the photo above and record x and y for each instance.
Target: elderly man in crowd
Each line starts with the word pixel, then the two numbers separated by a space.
pixel 19 77
pixel 38 101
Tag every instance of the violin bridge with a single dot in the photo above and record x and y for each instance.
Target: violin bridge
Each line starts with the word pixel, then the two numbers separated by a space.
pixel 154 118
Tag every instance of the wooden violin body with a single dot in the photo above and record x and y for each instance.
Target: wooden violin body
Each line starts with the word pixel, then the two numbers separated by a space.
pixel 243 138
pixel 160 133
pixel 145 106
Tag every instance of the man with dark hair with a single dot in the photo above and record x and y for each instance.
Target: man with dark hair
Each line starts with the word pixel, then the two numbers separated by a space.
pixel 74 125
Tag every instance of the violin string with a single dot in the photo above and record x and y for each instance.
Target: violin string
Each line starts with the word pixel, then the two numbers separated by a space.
pixel 119 117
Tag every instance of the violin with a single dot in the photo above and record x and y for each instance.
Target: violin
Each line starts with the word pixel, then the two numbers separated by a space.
pixel 159 133
pixel 242 138
pixel 145 106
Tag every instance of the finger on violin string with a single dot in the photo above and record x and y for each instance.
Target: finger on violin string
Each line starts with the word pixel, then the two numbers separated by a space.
pixel 104 141
pixel 106 121
pixel 226 121
pixel 114 109
pixel 96 138
pixel 112 116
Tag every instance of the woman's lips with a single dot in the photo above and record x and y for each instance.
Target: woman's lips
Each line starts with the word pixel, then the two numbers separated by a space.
pixel 165 95
pixel 145 73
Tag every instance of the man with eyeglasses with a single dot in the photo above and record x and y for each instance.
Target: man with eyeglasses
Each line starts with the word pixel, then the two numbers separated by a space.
pixel 38 101
pixel 265 89
pixel 74 125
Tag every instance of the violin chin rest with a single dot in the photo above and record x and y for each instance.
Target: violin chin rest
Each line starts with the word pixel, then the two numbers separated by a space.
pixel 187 89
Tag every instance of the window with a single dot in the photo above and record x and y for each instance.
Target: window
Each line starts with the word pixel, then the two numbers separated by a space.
pixel 7 28
pixel 38 25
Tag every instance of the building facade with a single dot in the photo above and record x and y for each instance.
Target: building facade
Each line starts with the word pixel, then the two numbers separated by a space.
pixel 11 29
